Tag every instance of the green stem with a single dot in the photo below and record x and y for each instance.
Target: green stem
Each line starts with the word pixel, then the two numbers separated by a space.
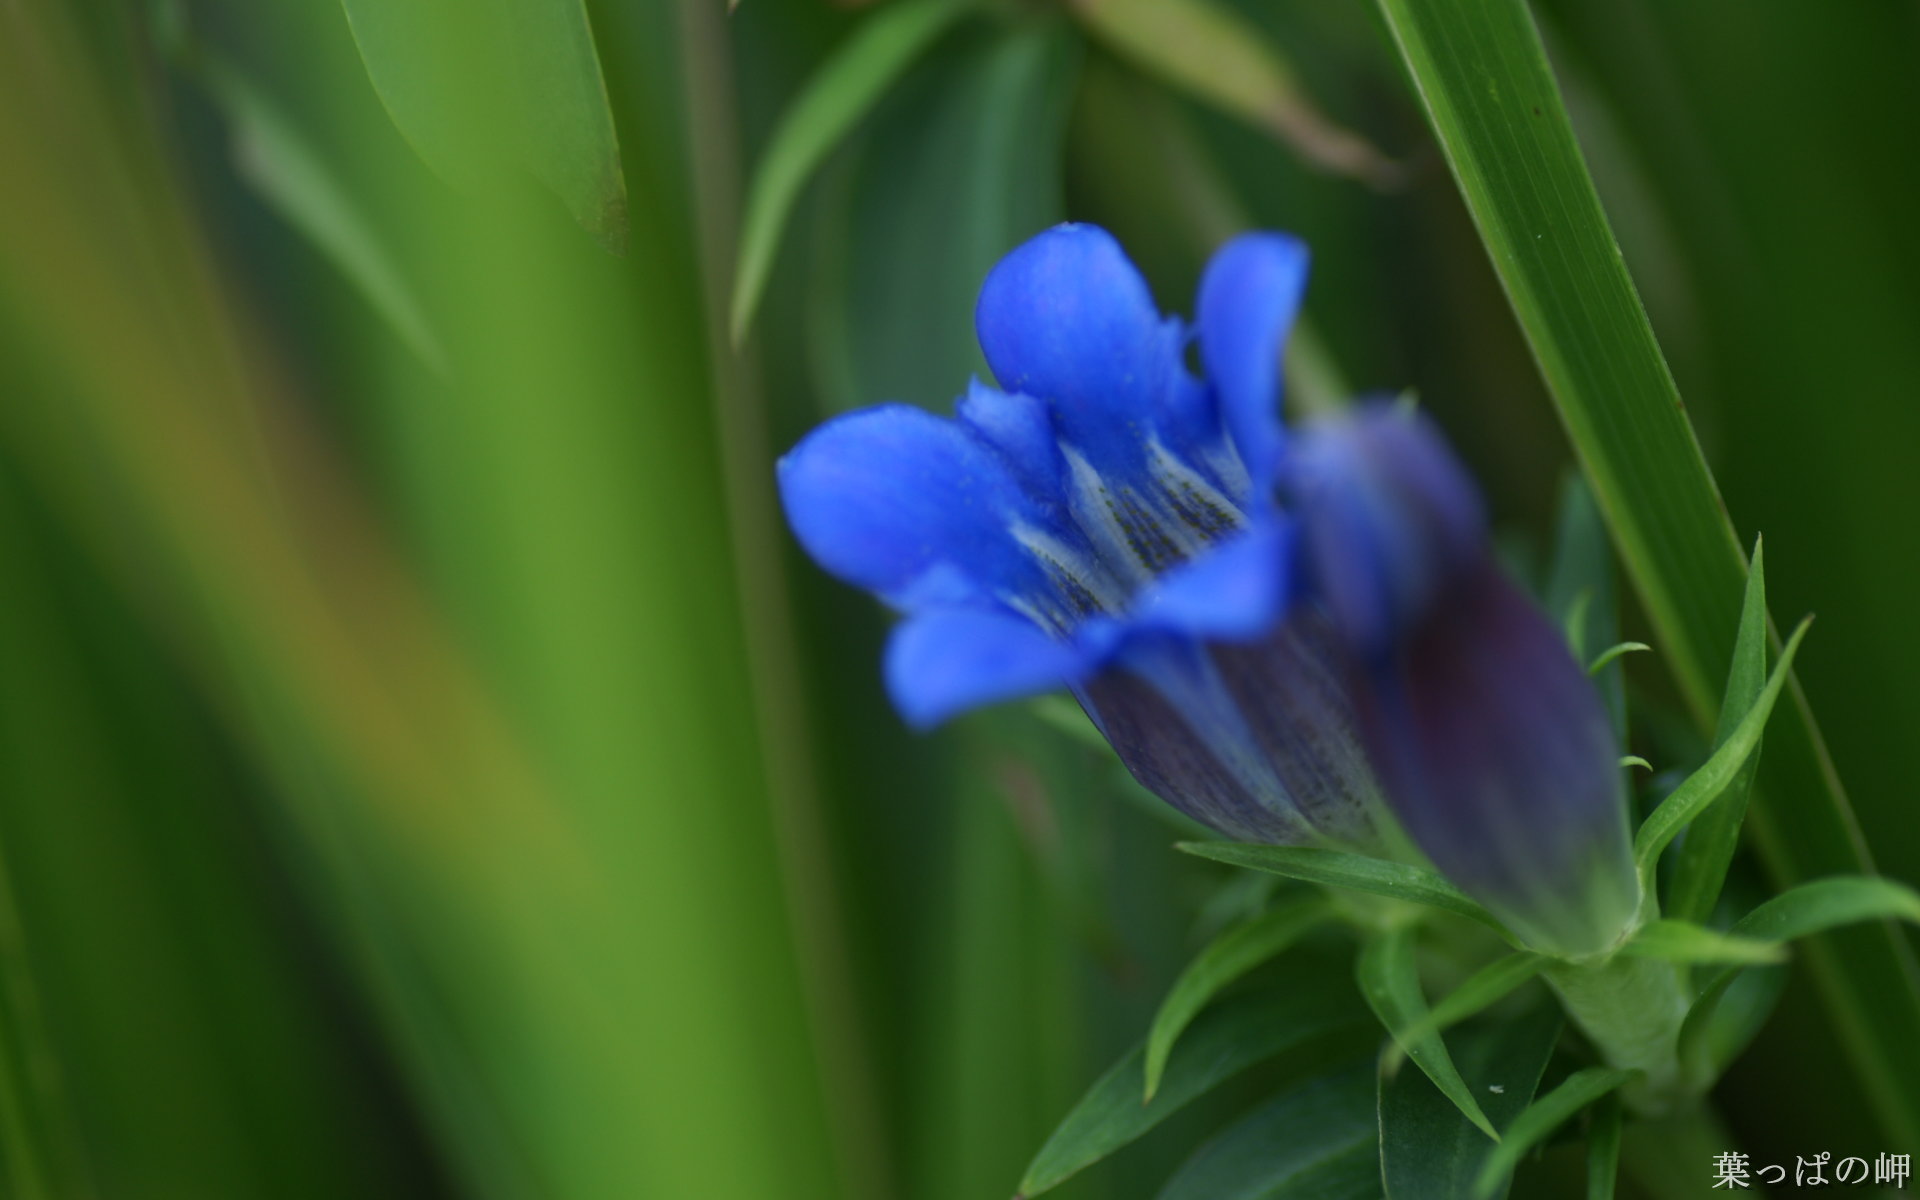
pixel 1631 1009
pixel 1670 1158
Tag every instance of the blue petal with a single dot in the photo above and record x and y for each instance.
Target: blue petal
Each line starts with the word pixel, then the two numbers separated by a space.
pixel 1021 429
pixel 911 506
pixel 1390 518
pixel 943 662
pixel 1066 318
pixel 1237 591
pixel 1499 760
pixel 1249 298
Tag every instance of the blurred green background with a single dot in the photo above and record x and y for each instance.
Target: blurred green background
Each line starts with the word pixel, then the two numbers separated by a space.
pixel 426 766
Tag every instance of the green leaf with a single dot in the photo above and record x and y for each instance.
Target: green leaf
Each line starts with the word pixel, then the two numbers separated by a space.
pixel 1478 992
pixel 1481 73
pixel 1227 958
pixel 1428 1151
pixel 1683 941
pixel 1315 1140
pixel 1390 980
pixel 1581 590
pixel 1337 868
pixel 1806 910
pixel 287 172
pixel 840 93
pixel 1717 774
pixel 1224 1041
pixel 1215 55
pixel 1700 864
pixel 1603 1150
pixel 1541 1118
pixel 1613 652
pixel 483 90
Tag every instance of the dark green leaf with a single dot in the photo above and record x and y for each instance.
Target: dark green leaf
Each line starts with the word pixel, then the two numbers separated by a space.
pixel 1224 1041
pixel 1541 1118
pixel 1428 1150
pixel 1717 774
pixel 484 90
pixel 1390 980
pixel 843 91
pixel 1478 992
pixel 1603 1150
pixel 1316 1140
pixel 1581 590
pixel 1700 863
pixel 1226 959
pixel 1480 70
pixel 1337 868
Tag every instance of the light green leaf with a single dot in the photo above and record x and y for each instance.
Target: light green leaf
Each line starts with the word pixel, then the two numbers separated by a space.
pixel 1683 941
pixel 1390 980
pixel 481 91
pixel 1806 910
pixel 1428 1151
pixel 1337 868
pixel 1541 1118
pixel 844 90
pixel 1315 1140
pixel 1222 1042
pixel 1718 773
pixel 1227 958
pixel 1478 992
pixel 1603 1150
pixel 1213 54
pixel 1615 651
pixel 1481 73
pixel 1700 864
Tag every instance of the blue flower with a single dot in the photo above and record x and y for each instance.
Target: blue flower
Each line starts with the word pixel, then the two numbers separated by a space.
pixel 1265 624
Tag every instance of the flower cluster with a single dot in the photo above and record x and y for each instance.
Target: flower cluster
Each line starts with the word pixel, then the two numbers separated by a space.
pixel 1293 636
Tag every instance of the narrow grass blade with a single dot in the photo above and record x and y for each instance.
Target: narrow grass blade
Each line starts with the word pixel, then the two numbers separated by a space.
pixel 1210 52
pixel 1717 774
pixel 835 99
pixel 1390 980
pixel 1227 958
pixel 1541 1118
pixel 1683 941
pixel 543 109
pixel 1428 1150
pixel 1480 71
pixel 1477 993
pixel 1603 1150
pixel 1700 864
pixel 1581 590
pixel 1337 868
pixel 1315 1140
pixel 1223 1042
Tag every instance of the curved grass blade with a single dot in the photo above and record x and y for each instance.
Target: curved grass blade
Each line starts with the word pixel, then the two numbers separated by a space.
pixel 480 89
pixel 1211 53
pixel 1478 992
pixel 1700 864
pixel 1337 868
pixel 1226 959
pixel 1224 1041
pixel 1483 77
pixel 1541 1118
pixel 839 94
pixel 1806 910
pixel 1717 774
pixel 1685 942
pixel 1316 1140
pixel 1428 1151
pixel 1390 980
